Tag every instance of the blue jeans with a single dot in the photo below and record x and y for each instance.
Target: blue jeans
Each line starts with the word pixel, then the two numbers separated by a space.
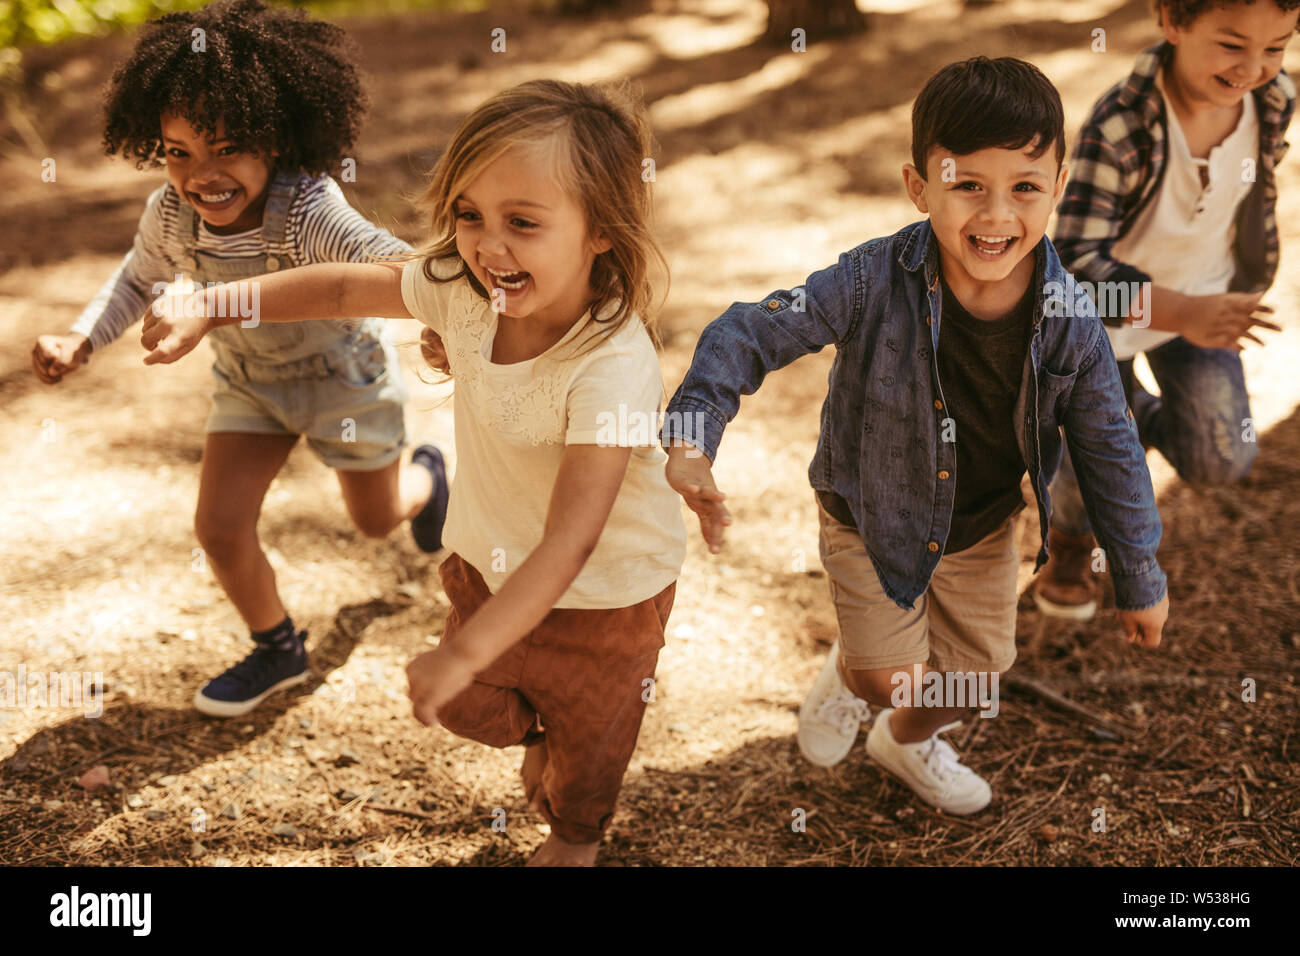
pixel 1200 422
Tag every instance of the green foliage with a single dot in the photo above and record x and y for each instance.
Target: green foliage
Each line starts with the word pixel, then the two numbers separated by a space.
pixel 35 22
pixel 38 22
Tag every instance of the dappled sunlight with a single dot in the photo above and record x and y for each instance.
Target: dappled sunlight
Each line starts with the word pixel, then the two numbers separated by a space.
pixel 769 165
pixel 1076 11
pixel 701 104
pixel 696 28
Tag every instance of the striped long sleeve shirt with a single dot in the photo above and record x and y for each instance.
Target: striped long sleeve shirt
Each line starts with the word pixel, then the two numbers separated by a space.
pixel 321 227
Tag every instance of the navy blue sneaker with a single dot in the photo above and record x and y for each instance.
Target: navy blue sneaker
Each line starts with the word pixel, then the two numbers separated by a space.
pixel 426 527
pixel 252 680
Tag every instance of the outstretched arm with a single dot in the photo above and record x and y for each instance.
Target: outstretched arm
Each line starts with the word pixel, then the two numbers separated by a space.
pixel 690 474
pixel 146 268
pixel 737 350
pixel 177 322
pixel 1111 468
pixel 585 489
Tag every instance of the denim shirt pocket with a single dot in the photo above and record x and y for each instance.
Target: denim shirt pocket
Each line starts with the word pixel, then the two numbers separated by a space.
pixel 1054 390
pixel 777 304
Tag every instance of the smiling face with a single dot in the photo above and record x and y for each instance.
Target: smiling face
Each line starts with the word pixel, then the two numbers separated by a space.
pixel 519 232
pixel 988 210
pixel 1228 51
pixel 226 186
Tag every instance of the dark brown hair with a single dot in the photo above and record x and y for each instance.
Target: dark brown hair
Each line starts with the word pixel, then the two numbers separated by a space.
pixel 981 103
pixel 1183 13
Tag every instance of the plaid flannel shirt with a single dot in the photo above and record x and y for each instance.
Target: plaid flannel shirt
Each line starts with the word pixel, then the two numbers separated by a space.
pixel 1118 166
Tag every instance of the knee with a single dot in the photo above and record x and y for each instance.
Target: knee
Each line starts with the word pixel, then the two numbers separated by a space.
pixel 477 714
pixel 372 526
pixel 455 720
pixel 221 537
pixel 371 521
pixel 1225 466
pixel 874 686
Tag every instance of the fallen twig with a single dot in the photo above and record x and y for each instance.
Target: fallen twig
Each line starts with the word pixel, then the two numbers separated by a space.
pixel 1041 690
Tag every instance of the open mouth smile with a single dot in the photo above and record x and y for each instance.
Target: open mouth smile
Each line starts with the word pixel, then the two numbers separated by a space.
pixel 1240 87
pixel 215 200
pixel 510 281
pixel 991 247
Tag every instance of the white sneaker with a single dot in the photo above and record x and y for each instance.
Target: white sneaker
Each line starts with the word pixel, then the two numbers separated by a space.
pixel 931 768
pixel 831 716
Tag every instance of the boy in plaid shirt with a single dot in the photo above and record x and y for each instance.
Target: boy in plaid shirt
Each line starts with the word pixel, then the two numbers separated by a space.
pixel 1170 215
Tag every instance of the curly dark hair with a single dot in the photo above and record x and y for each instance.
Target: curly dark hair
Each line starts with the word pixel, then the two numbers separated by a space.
pixel 281 81
pixel 1183 12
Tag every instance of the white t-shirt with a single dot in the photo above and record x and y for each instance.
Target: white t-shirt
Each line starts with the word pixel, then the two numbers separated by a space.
pixel 512 423
pixel 1183 238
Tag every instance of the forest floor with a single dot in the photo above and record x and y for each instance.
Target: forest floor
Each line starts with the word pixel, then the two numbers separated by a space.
pixel 771 163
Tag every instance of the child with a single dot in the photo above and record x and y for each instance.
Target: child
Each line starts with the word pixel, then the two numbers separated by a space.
pixel 1173 197
pixel 953 374
pixel 567 541
pixel 246 144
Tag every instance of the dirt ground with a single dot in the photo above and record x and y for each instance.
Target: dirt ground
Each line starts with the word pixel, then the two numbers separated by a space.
pixel 771 163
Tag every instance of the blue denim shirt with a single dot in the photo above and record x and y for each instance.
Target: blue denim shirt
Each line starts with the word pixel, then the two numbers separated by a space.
pixel 886 435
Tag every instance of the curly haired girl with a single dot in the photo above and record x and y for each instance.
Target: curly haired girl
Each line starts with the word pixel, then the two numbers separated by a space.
pixel 248 108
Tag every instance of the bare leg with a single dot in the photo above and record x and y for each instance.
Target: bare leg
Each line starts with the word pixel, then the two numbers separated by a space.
pixel 535 759
pixel 555 852
pixel 378 501
pixel 908 724
pixel 238 467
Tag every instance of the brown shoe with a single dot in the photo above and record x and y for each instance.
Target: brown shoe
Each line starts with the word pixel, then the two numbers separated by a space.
pixel 1065 587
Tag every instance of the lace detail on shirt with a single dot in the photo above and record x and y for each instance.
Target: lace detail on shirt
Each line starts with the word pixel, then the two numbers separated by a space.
pixel 532 411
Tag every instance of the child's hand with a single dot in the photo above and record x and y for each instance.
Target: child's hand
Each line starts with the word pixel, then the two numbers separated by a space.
pixel 54 356
pixel 1145 627
pixel 436 677
pixel 175 324
pixel 691 476
pixel 1221 321
pixel 434 352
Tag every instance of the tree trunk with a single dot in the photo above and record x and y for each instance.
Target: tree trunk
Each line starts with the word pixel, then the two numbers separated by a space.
pixel 585 8
pixel 819 19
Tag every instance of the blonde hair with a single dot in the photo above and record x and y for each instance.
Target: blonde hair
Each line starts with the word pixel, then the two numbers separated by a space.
pixel 601 141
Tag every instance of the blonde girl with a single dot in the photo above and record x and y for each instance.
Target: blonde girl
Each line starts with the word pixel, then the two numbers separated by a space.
pixel 567 541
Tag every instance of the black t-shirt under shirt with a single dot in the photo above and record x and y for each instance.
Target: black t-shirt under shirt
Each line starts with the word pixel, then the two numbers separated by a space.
pixel 981 364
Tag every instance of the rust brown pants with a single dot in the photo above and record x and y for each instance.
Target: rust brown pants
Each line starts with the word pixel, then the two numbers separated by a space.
pixel 583 673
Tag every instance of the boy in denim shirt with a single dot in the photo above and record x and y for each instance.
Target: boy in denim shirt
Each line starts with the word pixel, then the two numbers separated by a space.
pixel 963 349
pixel 1173 197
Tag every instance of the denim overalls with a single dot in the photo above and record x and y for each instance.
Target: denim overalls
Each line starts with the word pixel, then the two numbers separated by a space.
pixel 336 381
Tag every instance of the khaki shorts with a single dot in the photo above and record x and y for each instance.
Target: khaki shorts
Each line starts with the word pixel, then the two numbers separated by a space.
pixel 352 417
pixel 965 621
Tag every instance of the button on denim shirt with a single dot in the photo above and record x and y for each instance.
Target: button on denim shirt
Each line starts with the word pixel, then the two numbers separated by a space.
pixel 886 431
